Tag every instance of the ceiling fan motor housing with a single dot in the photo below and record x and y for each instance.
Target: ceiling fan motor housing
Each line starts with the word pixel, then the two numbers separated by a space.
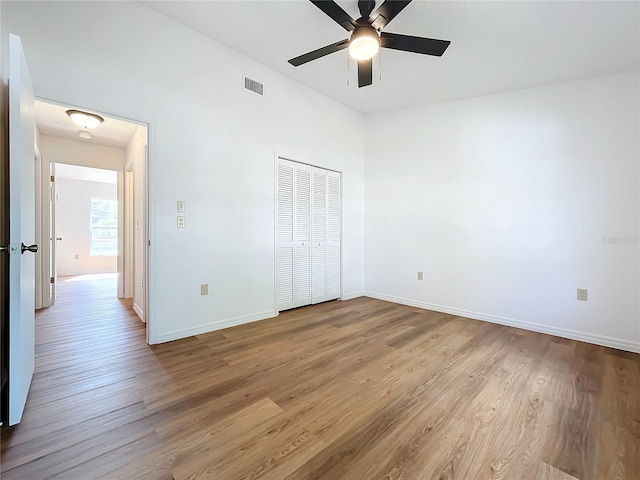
pixel 364 31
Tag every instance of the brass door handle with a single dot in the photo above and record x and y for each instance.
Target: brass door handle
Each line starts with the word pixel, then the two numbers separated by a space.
pixel 31 248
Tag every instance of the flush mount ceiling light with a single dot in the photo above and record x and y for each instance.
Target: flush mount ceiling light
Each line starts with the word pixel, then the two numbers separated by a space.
pixel 85 119
pixel 364 43
pixel 86 134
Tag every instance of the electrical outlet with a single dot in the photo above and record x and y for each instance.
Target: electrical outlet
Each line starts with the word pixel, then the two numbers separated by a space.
pixel 181 221
pixel 142 281
pixel 76 256
pixel 582 294
pixel 204 289
pixel 420 276
pixel 181 206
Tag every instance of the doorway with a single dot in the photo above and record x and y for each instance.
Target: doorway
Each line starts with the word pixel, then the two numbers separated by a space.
pixel 93 201
pixel 84 223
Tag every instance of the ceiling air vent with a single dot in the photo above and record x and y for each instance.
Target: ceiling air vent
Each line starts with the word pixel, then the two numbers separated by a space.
pixel 254 86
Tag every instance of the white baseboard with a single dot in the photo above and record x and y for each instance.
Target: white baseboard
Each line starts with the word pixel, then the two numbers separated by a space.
pixel 350 296
pixel 213 326
pixel 139 311
pixel 619 343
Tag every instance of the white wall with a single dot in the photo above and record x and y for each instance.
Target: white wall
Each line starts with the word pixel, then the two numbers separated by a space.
pixel 73 225
pixel 76 152
pixel 503 202
pixel 211 144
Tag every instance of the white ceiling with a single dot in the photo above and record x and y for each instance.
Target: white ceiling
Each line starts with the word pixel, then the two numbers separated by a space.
pixel 88 174
pixel 53 120
pixel 495 46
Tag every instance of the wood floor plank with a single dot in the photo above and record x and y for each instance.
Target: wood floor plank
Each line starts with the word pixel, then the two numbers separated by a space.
pixel 575 448
pixel 547 472
pixel 361 389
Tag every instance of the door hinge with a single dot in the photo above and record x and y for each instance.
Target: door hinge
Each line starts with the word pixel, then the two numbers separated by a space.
pixel 53 179
pixel 53 280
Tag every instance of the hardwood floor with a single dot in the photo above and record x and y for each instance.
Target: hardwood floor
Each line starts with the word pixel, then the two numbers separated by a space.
pixel 362 389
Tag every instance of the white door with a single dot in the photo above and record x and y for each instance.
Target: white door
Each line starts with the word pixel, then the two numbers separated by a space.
pixel 21 231
pixel 284 234
pixel 319 236
pixel 293 234
pixel 326 235
pixel 302 235
pixel 334 236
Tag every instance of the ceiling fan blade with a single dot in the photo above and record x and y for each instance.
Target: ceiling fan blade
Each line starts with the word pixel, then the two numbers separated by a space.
pixel 387 12
pixel 365 72
pixel 407 43
pixel 321 52
pixel 338 15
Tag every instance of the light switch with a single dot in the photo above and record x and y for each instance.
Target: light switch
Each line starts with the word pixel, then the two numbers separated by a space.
pixel 181 221
pixel 181 206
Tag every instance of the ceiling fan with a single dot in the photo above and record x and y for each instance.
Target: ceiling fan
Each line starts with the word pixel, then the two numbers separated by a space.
pixel 367 36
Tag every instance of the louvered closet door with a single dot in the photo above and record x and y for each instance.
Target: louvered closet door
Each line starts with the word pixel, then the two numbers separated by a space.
pixel 334 194
pixel 302 236
pixel 284 234
pixel 307 235
pixel 319 236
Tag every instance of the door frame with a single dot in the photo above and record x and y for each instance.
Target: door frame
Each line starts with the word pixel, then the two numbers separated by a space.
pixel 43 231
pixel 122 211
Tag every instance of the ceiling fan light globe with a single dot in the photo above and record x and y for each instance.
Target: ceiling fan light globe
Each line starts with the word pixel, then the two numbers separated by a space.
pixel 364 44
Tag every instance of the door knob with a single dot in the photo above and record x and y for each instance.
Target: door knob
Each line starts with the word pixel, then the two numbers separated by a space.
pixel 3 248
pixel 31 248
pixel 58 238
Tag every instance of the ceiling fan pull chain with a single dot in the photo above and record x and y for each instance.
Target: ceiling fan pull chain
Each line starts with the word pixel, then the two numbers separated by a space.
pixel 348 70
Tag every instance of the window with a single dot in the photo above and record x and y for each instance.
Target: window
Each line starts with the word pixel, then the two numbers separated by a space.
pixel 104 227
